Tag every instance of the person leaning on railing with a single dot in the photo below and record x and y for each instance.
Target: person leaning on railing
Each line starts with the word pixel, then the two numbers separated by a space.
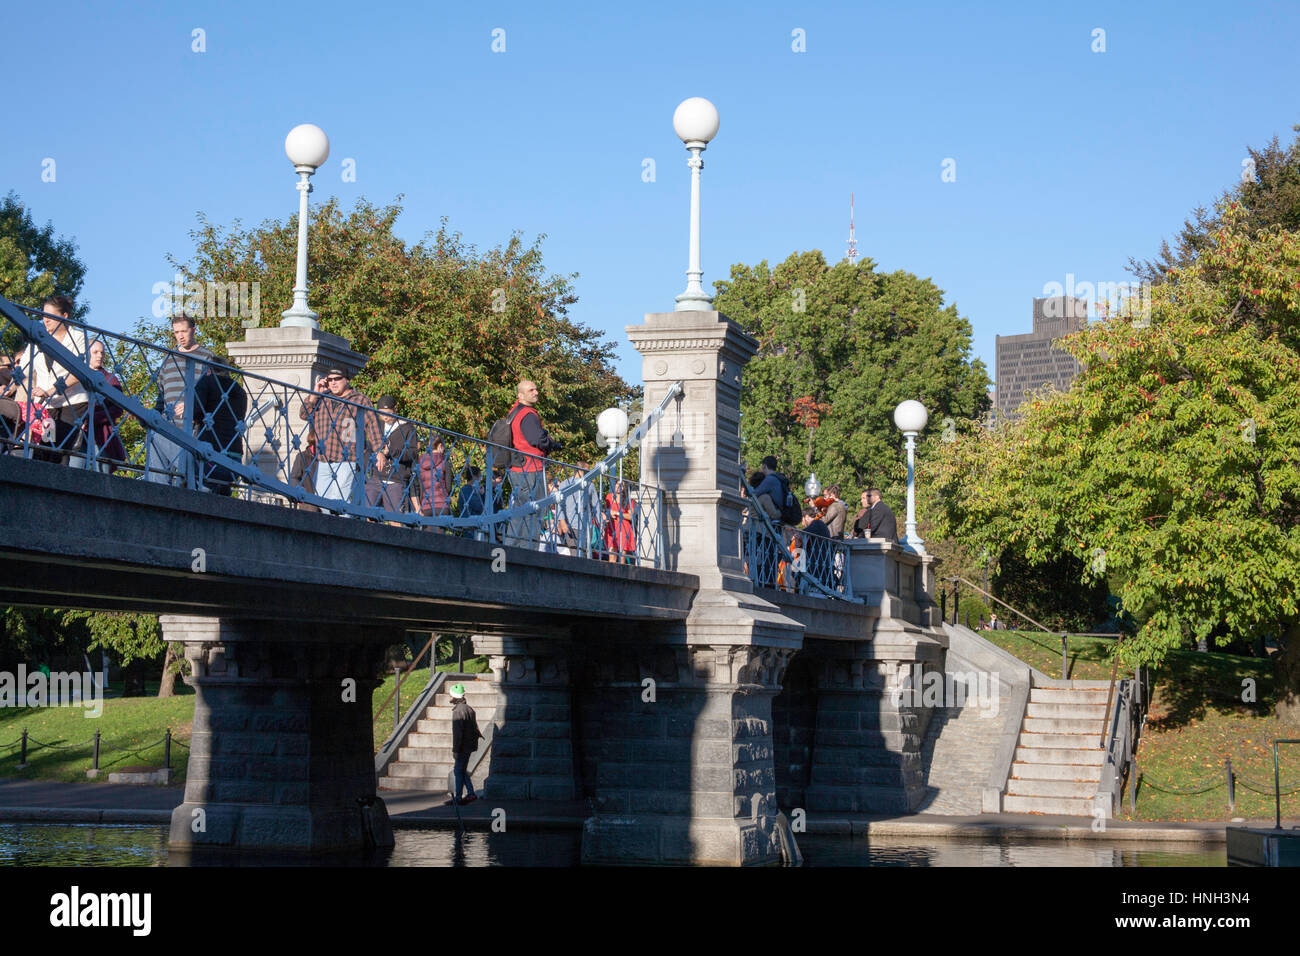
pixel 110 454
pixel 339 462
pixel 58 388
pixel 11 414
pixel 167 460
pixel 395 462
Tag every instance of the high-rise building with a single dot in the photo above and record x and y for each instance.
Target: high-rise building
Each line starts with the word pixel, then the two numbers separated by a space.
pixel 1031 360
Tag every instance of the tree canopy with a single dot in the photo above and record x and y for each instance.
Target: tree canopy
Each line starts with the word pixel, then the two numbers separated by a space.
pixel 1170 466
pixel 449 331
pixel 840 347
pixel 1267 195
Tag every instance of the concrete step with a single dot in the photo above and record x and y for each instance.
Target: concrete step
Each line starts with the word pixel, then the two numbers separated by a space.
pixel 1077 789
pixel 1086 741
pixel 1093 712
pixel 1056 771
pixel 1063 806
pixel 431 784
pixel 1060 755
pixel 426 748
pixel 1067 695
pixel 416 768
pixel 1060 725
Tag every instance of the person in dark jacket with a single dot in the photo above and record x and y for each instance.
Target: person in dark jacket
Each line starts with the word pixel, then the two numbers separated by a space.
pixel 880 521
pixel 395 462
pixel 464 741
pixel 220 407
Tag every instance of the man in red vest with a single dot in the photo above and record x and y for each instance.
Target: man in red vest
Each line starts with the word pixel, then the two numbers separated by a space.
pixel 527 473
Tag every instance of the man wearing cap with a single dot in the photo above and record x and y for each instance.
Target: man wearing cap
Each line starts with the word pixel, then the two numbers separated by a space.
pixel 464 741
pixel 336 425
pixel 395 462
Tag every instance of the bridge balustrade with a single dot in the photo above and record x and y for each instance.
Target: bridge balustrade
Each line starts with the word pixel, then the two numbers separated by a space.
pixel 238 433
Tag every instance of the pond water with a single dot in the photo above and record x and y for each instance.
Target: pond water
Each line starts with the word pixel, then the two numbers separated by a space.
pixel 43 844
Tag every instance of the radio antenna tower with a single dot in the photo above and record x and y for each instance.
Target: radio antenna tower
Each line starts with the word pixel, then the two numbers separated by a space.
pixel 853 240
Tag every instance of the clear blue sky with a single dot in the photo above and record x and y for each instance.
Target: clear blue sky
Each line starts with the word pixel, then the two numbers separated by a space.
pixel 1067 160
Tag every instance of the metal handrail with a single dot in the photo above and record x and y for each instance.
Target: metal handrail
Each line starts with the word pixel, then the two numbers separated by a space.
pixel 528 515
pixel 808 579
pixel 433 636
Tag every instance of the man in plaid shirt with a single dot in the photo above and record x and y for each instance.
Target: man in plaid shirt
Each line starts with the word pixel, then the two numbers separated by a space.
pixel 334 424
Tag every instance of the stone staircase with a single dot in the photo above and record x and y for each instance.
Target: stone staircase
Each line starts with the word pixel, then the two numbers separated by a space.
pixel 1058 761
pixel 960 745
pixel 425 758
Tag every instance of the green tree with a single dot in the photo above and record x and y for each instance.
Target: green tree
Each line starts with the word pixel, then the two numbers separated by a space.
pixel 449 331
pixel 33 262
pixel 132 637
pixel 1170 467
pixel 839 347
pixel 1268 194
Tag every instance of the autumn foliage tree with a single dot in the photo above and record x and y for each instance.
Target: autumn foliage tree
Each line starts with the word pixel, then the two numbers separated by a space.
pixel 450 331
pixel 1172 466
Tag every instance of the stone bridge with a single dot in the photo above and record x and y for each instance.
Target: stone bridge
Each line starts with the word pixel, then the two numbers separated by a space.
pixel 761 699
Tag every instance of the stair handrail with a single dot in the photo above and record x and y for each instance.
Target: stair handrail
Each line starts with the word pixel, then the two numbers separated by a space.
pixel 385 754
pixel 1120 749
pixel 976 587
pixel 410 667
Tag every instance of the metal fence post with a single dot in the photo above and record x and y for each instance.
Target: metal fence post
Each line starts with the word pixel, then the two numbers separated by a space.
pixel 167 749
pixel 397 696
pixel 1232 790
pixel 95 764
pixel 22 757
pixel 1065 644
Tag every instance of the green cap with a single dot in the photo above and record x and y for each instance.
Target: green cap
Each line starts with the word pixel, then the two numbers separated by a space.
pixel 457 690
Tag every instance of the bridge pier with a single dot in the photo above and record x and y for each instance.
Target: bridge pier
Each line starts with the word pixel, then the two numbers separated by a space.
pixel 532 746
pixel 282 750
pixel 866 749
pixel 679 740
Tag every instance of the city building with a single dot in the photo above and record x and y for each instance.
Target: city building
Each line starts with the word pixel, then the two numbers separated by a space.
pixel 1031 360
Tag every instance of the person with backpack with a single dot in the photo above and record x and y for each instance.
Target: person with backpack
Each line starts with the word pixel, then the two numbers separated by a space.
pixel 529 443
pixel 777 487
pixel 465 736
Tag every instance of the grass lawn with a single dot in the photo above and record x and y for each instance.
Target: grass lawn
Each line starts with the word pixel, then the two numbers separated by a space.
pixel 1197 720
pixel 126 724
pixel 138 724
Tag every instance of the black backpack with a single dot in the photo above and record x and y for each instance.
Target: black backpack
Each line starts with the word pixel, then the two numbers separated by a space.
pixel 502 434
pixel 791 513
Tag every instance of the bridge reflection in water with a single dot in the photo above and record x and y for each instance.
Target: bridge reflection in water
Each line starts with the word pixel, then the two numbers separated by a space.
pixel 101 845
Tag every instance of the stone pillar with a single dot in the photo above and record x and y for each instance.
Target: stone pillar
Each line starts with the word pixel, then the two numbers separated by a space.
pixel 866 754
pixel 688 777
pixel 298 356
pixel 532 735
pixel 282 751
pixel 683 764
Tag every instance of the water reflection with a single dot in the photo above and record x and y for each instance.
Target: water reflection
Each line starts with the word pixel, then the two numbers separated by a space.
pixel 43 844
pixel 910 851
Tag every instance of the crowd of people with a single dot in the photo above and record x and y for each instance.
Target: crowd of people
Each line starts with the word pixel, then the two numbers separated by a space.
pixel 818 521
pixel 353 451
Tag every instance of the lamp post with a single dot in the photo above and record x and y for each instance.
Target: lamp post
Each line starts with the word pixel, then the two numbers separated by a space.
pixel 695 122
pixel 307 147
pixel 812 487
pixel 611 426
pixel 910 416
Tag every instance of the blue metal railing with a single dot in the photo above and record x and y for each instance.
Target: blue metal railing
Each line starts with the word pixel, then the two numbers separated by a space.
pixel 231 431
pixel 793 559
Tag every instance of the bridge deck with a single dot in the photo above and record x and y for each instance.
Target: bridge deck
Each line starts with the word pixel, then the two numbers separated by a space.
pixel 73 538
